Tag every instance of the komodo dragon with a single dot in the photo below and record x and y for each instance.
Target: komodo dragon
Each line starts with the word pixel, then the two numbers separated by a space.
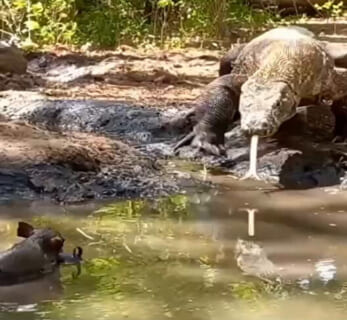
pixel 337 50
pixel 270 76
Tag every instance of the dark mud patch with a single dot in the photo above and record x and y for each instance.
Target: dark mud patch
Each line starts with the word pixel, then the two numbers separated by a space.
pixel 131 122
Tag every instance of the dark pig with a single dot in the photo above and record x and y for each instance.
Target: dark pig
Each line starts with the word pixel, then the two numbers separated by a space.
pixel 32 258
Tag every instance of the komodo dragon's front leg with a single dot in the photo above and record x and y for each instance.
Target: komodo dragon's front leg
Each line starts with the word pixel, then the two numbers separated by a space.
pixel 214 112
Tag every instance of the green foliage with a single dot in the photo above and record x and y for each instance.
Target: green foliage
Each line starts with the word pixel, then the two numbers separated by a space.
pixel 107 23
pixel 330 8
pixel 39 22
pixel 169 207
pixel 245 291
pixel 173 206
pixel 101 266
pixel 127 209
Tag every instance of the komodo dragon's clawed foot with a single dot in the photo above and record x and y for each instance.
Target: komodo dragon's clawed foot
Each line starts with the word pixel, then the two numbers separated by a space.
pixel 204 145
pixel 202 141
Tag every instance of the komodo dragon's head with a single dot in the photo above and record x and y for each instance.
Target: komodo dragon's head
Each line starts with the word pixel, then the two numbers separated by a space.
pixel 264 107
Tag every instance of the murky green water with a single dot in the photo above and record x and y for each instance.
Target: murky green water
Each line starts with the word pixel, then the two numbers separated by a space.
pixel 173 258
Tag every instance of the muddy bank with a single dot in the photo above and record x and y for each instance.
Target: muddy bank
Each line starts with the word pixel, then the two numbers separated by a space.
pixel 300 156
pixel 135 106
pixel 69 167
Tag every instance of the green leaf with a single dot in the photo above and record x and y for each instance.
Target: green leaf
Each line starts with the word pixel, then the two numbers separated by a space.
pixel 164 3
pixel 32 25
pixel 19 4
pixel 37 8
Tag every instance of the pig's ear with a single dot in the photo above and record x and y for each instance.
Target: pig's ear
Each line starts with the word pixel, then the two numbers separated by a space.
pixel 24 230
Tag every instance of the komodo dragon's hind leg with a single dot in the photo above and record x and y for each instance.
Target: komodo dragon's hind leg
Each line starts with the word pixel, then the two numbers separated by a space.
pixel 217 108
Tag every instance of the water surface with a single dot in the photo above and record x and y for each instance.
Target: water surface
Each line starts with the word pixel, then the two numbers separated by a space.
pixel 173 258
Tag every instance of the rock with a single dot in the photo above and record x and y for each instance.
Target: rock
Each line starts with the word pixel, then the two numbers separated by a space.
pixel 340 110
pixel 12 60
pixel 313 122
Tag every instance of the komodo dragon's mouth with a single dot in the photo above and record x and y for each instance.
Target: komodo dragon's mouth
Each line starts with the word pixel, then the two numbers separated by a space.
pixel 263 108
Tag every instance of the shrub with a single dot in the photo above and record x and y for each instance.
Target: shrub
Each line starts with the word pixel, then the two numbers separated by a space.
pixel 106 23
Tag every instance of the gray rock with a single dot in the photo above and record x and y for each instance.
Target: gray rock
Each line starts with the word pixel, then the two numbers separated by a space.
pixel 12 60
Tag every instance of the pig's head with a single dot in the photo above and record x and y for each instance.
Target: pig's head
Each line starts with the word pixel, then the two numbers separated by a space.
pixel 37 254
pixel 50 241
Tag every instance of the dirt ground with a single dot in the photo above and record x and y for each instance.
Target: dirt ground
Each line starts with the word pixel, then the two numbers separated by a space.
pixel 152 78
pixel 29 145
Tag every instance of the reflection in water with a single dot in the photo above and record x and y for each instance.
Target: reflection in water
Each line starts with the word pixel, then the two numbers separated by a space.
pixel 184 257
pixel 252 260
pixel 326 270
pixel 29 293
pixel 251 220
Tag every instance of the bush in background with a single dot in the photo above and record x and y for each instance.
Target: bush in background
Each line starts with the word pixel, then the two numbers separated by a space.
pixel 107 23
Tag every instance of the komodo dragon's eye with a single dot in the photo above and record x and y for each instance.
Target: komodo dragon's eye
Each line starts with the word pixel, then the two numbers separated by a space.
pixel 277 108
pixel 277 104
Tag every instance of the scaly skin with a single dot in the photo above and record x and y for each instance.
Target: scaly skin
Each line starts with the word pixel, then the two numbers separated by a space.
pixel 226 63
pixel 273 73
pixel 214 108
pixel 288 66
pixel 337 50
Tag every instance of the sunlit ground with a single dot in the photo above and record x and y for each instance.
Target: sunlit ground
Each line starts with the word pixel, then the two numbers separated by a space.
pixel 173 258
